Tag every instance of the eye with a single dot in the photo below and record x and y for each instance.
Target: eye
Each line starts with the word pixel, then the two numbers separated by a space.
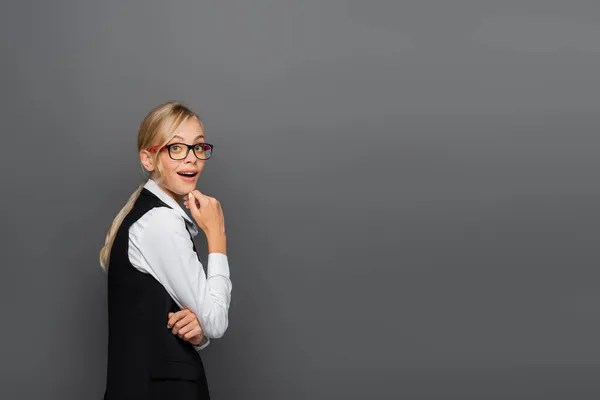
pixel 175 147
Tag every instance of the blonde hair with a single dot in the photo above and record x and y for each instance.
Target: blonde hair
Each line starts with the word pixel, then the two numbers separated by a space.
pixel 157 128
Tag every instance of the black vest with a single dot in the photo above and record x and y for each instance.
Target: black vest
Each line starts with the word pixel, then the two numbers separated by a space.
pixel 142 351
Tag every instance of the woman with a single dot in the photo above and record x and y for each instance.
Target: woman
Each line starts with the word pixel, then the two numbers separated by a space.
pixel 162 307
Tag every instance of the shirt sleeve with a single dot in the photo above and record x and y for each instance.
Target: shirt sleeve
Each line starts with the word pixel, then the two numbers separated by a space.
pixel 168 251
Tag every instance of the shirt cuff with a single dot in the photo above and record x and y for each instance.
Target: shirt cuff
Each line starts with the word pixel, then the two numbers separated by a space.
pixel 218 264
pixel 202 345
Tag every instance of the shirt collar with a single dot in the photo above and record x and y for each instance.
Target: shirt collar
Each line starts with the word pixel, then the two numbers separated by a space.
pixel 153 187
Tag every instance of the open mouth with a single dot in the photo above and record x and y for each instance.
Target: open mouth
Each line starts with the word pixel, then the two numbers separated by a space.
pixel 188 174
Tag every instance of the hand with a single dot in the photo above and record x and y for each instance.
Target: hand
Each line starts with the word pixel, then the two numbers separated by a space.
pixel 207 213
pixel 185 324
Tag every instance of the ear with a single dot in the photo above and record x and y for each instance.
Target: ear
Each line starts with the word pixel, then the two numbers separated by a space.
pixel 147 160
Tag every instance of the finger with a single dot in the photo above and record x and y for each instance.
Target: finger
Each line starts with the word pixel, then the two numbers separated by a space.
pixel 197 331
pixel 183 322
pixel 201 197
pixel 174 317
pixel 187 328
pixel 192 202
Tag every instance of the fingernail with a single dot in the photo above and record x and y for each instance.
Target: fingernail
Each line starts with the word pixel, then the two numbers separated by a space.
pixel 169 326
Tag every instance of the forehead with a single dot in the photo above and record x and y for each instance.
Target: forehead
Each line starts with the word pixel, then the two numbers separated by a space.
pixel 189 130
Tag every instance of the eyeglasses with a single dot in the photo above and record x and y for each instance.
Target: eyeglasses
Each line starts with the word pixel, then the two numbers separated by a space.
pixel 179 151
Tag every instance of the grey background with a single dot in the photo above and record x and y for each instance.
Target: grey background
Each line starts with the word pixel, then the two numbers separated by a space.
pixel 410 189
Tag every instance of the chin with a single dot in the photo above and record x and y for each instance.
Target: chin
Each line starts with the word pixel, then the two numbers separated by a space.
pixel 181 189
pixel 188 187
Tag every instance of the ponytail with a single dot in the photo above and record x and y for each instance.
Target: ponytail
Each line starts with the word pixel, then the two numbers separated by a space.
pixel 112 232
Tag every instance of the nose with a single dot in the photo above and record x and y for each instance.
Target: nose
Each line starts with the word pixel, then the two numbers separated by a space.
pixel 191 157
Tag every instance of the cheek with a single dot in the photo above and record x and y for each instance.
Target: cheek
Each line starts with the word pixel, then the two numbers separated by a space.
pixel 168 168
pixel 169 165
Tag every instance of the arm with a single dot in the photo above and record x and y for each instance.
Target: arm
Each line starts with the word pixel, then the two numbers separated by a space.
pixel 168 251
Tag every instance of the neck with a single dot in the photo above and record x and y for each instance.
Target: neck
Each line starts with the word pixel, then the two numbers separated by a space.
pixel 171 194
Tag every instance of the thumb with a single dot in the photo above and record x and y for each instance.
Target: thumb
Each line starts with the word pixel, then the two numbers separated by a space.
pixel 192 202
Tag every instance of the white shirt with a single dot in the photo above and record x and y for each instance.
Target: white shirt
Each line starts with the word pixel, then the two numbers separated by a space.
pixel 160 245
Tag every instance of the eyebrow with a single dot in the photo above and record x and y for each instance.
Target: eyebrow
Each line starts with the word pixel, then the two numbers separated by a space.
pixel 197 137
